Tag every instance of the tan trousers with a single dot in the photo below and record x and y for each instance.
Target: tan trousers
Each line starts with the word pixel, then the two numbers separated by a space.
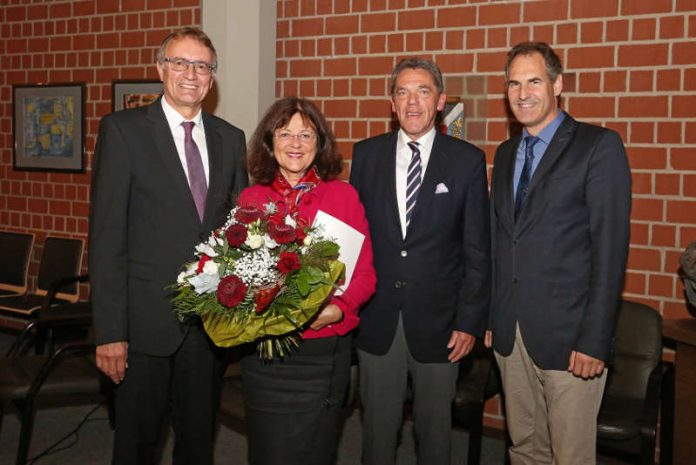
pixel 551 415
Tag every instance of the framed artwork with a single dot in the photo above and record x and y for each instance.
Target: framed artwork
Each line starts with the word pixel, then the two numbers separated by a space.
pixel 132 94
pixel 48 127
pixel 452 122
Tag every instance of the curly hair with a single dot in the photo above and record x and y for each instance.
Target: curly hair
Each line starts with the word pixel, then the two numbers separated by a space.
pixel 260 161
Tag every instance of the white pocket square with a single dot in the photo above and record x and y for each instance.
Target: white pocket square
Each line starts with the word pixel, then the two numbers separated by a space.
pixel 441 189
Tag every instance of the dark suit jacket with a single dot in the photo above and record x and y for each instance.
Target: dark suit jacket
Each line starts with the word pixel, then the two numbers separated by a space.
pixel 559 269
pixel 439 275
pixel 144 224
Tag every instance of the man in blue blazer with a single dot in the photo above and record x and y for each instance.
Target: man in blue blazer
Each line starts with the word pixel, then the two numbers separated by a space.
pixel 560 211
pixel 164 176
pixel 432 259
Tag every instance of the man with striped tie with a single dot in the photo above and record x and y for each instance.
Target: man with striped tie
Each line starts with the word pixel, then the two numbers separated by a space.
pixel 426 199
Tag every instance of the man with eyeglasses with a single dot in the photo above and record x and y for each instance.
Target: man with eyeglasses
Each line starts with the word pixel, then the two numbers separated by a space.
pixel 164 176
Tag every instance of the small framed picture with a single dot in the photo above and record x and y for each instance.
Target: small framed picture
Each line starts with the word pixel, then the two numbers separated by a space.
pixel 132 94
pixel 48 127
pixel 452 122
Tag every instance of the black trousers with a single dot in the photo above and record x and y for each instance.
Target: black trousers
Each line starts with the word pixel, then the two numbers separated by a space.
pixel 293 406
pixel 186 385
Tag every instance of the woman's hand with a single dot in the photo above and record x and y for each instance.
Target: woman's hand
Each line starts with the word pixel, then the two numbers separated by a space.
pixel 327 316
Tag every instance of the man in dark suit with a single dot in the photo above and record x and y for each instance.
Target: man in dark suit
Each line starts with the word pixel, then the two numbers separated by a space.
pixel 561 201
pixel 432 259
pixel 164 176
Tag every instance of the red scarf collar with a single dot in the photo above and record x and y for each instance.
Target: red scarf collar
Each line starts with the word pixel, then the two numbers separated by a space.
pixel 292 195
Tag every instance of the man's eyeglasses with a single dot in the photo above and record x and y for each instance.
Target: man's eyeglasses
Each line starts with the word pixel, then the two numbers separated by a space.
pixel 179 64
pixel 305 137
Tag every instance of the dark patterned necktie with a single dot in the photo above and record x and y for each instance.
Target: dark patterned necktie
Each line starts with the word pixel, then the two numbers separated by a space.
pixel 194 163
pixel 526 176
pixel 413 180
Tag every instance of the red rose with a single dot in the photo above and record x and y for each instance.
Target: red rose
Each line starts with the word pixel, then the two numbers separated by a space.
pixel 281 233
pixel 236 235
pixel 301 234
pixel 201 263
pixel 288 262
pixel 247 215
pixel 231 291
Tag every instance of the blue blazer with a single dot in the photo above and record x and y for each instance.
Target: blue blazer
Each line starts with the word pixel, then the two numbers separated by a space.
pixel 558 271
pixel 438 277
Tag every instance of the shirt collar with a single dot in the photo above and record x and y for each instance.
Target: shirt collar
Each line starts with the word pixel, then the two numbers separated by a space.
pixel 425 141
pixel 174 118
pixel 549 131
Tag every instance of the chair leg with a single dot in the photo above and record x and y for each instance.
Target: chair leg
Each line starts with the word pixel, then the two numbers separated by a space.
pixel 27 412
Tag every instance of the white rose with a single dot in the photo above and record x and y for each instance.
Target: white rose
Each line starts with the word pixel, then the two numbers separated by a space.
pixel 308 240
pixel 255 241
pixel 205 283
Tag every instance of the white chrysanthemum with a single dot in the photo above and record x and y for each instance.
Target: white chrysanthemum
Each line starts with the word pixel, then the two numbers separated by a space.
pixel 257 268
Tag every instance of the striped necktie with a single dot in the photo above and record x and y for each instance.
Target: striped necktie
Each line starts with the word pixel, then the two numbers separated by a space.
pixel 413 180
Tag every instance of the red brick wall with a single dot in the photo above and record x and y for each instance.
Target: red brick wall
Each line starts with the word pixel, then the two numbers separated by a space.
pixel 631 66
pixel 60 41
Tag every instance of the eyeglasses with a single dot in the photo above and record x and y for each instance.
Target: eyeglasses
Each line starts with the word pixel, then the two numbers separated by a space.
pixel 304 137
pixel 179 64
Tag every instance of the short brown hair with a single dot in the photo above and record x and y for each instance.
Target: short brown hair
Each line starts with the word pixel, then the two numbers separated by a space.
pixel 191 33
pixel 260 161
pixel 417 63
pixel 554 68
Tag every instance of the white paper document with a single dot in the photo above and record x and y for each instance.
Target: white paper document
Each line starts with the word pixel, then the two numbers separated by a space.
pixel 348 238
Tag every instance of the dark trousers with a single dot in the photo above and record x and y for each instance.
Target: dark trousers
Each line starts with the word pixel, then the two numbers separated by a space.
pixel 187 385
pixel 383 388
pixel 293 406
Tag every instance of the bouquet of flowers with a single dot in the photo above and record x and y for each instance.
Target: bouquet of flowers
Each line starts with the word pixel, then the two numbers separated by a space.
pixel 260 277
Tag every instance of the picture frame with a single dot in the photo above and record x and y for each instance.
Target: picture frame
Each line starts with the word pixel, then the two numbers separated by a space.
pixel 132 94
pixel 48 127
pixel 452 122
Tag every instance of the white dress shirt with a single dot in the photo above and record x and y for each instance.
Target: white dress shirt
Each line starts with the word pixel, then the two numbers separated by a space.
pixel 403 159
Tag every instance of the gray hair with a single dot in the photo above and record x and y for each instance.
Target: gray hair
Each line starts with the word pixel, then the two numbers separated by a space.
pixel 191 33
pixel 418 63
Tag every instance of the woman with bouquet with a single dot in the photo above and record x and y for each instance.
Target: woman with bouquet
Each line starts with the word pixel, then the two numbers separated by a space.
pixel 293 404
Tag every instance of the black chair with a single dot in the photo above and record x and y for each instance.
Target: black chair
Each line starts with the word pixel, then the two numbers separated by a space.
pixel 15 253
pixel 640 388
pixel 478 381
pixel 67 372
pixel 57 283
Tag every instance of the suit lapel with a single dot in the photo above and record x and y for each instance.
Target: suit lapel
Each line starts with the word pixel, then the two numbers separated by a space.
pixel 504 173
pixel 557 146
pixel 166 149
pixel 389 167
pixel 215 159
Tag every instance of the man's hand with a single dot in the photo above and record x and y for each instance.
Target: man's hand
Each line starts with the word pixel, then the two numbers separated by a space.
pixel 488 338
pixel 584 366
pixel 330 314
pixel 112 359
pixel 461 344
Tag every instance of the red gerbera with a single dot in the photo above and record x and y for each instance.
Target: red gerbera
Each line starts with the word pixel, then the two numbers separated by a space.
pixel 279 216
pixel 236 235
pixel 288 261
pixel 231 291
pixel 247 215
pixel 282 233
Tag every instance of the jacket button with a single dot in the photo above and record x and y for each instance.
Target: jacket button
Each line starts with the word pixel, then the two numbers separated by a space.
pixel 514 241
pixel 514 280
pixel 404 253
pixel 397 284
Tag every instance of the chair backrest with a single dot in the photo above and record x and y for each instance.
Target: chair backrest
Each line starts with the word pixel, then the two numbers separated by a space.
pixel 15 252
pixel 61 258
pixel 637 350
